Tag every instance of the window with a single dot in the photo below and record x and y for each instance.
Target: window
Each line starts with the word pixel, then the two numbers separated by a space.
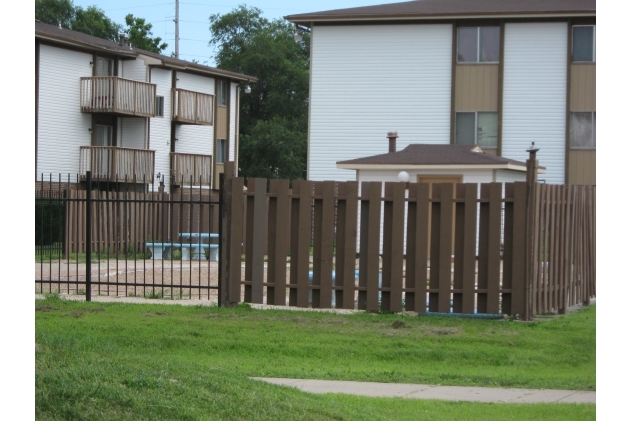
pixel 479 44
pixel 477 128
pixel 103 135
pixel 222 95
pixel 104 67
pixel 159 106
pixel 584 43
pixel 583 130
pixel 221 151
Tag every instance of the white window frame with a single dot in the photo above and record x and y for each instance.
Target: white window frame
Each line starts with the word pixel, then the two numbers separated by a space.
pixel 593 60
pixel 475 130
pixel 477 52
pixel 584 148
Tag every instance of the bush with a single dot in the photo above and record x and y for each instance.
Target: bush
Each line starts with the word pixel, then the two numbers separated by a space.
pixel 49 222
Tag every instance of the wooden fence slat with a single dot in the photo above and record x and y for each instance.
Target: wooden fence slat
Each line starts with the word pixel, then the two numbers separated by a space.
pixel 515 250
pixel 392 272
pixel 255 239
pixel 416 248
pixel 300 239
pixel 324 227
pixel 235 236
pixel 346 244
pixel 465 248
pixel 278 242
pixel 441 246
pixel 370 225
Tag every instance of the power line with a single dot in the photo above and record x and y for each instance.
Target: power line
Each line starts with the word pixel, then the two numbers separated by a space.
pixel 138 7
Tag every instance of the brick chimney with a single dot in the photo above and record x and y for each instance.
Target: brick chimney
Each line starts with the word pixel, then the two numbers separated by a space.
pixel 392 136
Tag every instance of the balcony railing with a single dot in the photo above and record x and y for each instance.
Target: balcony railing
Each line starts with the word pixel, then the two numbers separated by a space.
pixel 192 107
pixel 118 96
pixel 111 163
pixel 191 169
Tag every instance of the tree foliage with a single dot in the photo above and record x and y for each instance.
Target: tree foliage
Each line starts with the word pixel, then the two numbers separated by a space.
pixel 139 34
pixel 93 21
pixel 273 124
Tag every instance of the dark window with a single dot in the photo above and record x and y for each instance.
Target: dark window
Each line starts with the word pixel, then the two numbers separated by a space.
pixel 159 106
pixel 477 128
pixel 222 95
pixel 584 43
pixel 479 44
pixel 221 151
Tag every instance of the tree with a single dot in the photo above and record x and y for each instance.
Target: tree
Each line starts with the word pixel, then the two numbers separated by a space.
pixel 55 12
pixel 139 34
pixel 93 21
pixel 273 125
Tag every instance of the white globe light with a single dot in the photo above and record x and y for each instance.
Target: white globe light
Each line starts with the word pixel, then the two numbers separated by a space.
pixel 404 176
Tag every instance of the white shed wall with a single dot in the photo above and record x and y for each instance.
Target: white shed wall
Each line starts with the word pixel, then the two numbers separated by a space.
pixel 535 88
pixel 191 138
pixel 62 126
pixel 367 80
pixel 160 129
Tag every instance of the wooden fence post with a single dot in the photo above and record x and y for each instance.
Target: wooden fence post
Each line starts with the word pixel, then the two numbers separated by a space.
pixel 532 166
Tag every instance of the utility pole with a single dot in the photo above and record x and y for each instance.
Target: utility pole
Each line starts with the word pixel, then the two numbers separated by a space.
pixel 177 28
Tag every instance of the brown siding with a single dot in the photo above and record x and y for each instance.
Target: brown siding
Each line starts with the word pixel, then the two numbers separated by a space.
pixel 583 87
pixel 582 167
pixel 221 125
pixel 477 87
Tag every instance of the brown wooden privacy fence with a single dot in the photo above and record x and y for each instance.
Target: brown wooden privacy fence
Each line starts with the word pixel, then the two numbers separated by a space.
pixel 481 276
pixel 123 221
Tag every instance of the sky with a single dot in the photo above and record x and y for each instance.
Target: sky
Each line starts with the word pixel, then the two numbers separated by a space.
pixel 194 33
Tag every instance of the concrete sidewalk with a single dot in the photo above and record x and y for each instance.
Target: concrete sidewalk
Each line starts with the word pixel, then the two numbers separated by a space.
pixel 449 393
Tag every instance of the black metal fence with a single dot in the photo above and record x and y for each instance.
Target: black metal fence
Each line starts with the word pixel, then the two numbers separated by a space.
pixel 126 239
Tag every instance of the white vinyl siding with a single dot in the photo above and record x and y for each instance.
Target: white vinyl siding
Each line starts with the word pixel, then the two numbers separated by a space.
pixel 234 91
pixel 535 88
pixel 62 127
pixel 160 129
pixel 132 133
pixel 367 80
pixel 134 70
pixel 192 138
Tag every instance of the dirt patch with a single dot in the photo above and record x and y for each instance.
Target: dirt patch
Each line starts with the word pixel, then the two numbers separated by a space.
pixel 399 324
pixel 76 314
pixel 44 308
pixel 443 331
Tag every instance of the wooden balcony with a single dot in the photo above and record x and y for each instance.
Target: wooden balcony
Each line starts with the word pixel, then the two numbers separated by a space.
pixel 114 164
pixel 192 107
pixel 115 95
pixel 191 169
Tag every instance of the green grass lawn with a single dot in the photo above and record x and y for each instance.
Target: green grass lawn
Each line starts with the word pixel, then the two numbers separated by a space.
pixel 117 361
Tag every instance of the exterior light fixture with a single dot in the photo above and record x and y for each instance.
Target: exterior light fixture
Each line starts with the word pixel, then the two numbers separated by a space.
pixel 404 176
pixel 247 89
pixel 298 35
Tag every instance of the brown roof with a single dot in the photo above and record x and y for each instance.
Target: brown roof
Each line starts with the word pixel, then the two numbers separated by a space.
pixel 420 154
pixel 436 9
pixel 79 39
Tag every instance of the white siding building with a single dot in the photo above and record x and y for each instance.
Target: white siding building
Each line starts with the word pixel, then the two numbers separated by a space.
pixel 111 109
pixel 499 74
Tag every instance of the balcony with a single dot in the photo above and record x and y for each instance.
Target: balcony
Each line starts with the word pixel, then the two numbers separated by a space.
pixel 114 95
pixel 191 169
pixel 114 164
pixel 192 107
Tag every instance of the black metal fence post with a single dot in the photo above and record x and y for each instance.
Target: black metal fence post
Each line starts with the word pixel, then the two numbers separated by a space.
pixel 88 237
